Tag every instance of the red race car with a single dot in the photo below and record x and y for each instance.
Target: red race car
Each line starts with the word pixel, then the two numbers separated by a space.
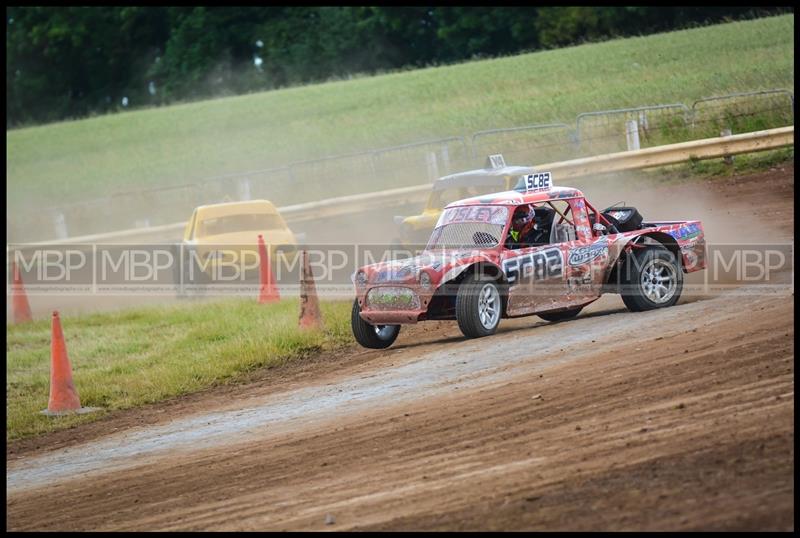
pixel 538 249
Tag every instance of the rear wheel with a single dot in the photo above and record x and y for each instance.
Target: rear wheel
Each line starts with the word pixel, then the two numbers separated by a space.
pixel 372 336
pixel 478 307
pixel 561 316
pixel 652 279
pixel 190 281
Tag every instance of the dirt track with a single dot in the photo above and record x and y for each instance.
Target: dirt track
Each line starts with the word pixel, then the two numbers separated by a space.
pixel 681 418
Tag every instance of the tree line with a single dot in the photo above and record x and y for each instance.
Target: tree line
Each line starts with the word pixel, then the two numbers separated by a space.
pixel 70 62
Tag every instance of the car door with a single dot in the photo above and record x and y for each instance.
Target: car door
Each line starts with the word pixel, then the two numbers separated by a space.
pixel 564 273
pixel 585 257
pixel 535 277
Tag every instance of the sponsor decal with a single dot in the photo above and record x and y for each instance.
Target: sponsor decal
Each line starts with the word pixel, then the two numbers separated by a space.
pixel 405 271
pixel 564 195
pixel 620 214
pixel 583 255
pixel 426 260
pixel 685 232
pixel 539 265
pixel 400 270
pixel 386 275
pixel 491 215
pixel 579 283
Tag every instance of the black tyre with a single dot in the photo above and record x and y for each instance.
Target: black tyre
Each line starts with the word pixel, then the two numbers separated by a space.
pixel 652 278
pixel 190 279
pixel 178 271
pixel 479 307
pixel 561 316
pixel 372 336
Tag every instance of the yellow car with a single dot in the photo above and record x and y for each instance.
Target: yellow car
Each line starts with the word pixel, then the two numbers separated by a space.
pixel 414 231
pixel 222 239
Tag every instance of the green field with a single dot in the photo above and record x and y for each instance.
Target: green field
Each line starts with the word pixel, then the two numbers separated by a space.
pixel 127 359
pixel 57 163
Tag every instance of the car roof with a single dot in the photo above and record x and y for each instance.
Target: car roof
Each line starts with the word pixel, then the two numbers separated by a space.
pixel 480 177
pixel 236 208
pixel 517 197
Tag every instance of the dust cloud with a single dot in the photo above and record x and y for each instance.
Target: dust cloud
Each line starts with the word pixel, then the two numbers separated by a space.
pixel 730 215
pixel 749 209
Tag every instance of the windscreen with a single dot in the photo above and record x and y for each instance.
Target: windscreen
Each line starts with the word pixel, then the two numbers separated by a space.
pixel 252 222
pixel 447 196
pixel 469 227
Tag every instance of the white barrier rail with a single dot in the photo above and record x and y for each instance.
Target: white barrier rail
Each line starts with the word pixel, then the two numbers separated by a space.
pixel 707 148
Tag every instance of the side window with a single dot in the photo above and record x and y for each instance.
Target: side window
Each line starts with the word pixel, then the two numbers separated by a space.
pixel 439 199
pixel 434 201
pixel 454 194
pixel 189 230
pixel 562 228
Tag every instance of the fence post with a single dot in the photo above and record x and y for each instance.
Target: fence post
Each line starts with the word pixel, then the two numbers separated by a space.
pixel 60 222
pixel 446 159
pixel 243 189
pixel 433 166
pixel 632 135
pixel 727 158
pixel 373 165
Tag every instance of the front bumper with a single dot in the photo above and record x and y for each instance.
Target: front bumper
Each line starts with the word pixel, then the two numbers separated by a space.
pixel 393 305
pixel 388 317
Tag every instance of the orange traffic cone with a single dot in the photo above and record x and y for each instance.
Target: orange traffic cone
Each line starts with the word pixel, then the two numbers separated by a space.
pixel 19 299
pixel 310 316
pixel 63 396
pixel 268 292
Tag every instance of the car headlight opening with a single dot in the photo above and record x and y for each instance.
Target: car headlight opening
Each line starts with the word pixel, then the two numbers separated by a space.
pixel 425 280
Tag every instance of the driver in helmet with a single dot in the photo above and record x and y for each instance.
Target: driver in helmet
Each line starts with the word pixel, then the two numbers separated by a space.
pixel 525 230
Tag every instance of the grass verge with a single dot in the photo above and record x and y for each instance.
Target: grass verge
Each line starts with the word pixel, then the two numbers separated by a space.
pixel 68 161
pixel 747 163
pixel 127 359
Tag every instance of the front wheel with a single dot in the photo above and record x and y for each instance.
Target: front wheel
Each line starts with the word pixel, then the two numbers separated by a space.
pixel 478 307
pixel 372 336
pixel 652 279
pixel 560 316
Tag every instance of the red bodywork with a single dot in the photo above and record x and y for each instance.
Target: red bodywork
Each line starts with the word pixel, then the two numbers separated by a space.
pixel 539 279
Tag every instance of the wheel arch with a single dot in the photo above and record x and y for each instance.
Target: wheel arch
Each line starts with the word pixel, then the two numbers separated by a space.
pixel 484 268
pixel 638 241
pixel 443 300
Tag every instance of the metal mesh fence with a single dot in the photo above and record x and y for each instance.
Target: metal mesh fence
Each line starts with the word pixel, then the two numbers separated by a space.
pixel 606 131
pixel 412 164
pixel 742 112
pixel 274 184
pixel 526 145
pixel 331 176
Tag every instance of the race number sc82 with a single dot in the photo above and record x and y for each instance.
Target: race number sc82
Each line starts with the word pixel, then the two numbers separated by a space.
pixel 538 181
